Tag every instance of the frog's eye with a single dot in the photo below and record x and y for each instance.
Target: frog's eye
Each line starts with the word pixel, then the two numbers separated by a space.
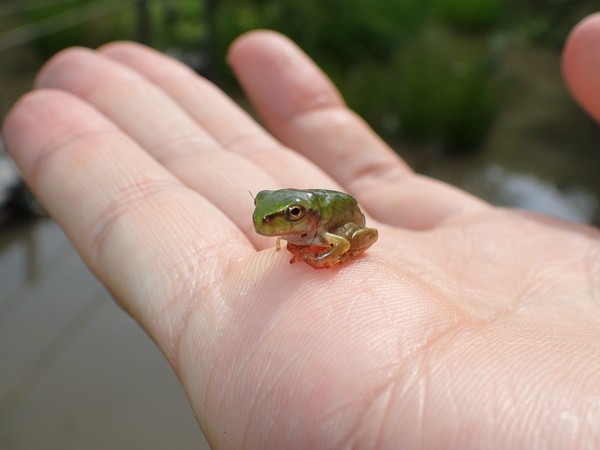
pixel 295 212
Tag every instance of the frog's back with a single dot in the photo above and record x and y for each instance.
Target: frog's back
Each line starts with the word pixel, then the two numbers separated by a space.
pixel 339 208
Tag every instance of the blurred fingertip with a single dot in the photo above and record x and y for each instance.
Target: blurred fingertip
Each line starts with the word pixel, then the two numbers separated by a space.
pixel 253 39
pixel 581 63
pixel 119 46
pixel 67 56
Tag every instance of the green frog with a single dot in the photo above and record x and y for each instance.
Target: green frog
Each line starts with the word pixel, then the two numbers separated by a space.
pixel 323 228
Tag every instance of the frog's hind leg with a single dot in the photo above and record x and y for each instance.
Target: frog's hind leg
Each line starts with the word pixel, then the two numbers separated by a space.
pixel 360 238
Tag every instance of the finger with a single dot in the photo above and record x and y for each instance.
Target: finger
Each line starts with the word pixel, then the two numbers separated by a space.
pixel 581 64
pixel 216 113
pixel 143 111
pixel 302 108
pixel 142 232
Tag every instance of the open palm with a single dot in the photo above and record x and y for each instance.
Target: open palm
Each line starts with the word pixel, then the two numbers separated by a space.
pixel 465 326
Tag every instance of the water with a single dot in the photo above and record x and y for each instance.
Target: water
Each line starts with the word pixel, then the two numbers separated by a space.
pixel 531 192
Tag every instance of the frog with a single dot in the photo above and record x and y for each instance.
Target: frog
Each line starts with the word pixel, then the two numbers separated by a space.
pixel 322 227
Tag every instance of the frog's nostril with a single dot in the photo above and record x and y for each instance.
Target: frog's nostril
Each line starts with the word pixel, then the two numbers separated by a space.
pixel 266 219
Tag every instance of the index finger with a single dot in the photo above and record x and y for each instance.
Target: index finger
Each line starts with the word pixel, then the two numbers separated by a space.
pixel 140 230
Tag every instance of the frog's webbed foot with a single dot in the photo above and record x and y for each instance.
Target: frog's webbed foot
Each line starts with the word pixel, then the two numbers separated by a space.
pixel 308 254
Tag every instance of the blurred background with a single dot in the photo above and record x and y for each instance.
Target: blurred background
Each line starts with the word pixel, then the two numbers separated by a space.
pixel 467 91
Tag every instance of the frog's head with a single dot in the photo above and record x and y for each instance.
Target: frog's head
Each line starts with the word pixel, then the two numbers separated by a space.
pixel 286 212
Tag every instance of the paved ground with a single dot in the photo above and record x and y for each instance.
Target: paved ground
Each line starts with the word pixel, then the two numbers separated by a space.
pixel 75 371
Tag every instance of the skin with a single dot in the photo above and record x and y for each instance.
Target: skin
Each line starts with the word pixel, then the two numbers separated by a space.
pixel 467 327
pixel 329 220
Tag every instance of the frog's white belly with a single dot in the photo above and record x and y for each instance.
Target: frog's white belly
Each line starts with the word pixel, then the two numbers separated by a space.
pixel 303 239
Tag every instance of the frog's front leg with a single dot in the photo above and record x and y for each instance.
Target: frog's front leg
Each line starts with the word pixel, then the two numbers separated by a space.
pixel 278 243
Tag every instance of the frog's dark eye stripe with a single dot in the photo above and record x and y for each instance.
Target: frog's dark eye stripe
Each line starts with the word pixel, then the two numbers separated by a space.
pixel 295 212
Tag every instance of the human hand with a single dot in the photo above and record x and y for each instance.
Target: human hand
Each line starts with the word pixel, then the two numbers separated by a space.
pixel 465 326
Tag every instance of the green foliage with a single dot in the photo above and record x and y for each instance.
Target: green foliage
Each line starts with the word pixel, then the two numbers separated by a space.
pixel 437 91
pixel 183 24
pixel 450 99
pixel 471 14
pixel 350 31
pixel 230 22
pixel 548 22
pixel 343 32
